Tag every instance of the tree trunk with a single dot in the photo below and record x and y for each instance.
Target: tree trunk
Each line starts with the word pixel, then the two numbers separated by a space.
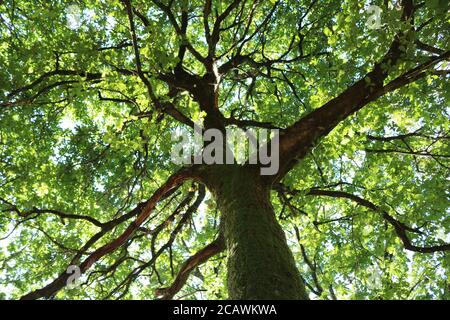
pixel 260 263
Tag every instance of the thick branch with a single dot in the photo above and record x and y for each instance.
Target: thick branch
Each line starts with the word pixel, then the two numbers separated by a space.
pixel 173 182
pixel 298 139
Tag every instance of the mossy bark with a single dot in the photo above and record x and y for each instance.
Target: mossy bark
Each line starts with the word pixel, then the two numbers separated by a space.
pixel 260 263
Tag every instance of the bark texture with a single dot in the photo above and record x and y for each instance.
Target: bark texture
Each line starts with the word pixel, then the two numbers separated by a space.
pixel 260 263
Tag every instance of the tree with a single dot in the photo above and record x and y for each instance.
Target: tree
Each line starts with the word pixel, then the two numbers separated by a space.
pixel 93 91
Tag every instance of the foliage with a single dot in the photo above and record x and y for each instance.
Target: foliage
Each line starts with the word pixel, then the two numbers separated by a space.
pixel 80 134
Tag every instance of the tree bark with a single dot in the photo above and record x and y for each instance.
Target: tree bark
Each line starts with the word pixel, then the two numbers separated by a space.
pixel 260 263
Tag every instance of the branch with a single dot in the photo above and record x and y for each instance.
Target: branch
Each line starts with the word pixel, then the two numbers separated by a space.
pixel 311 265
pixel 428 48
pixel 412 75
pixel 414 153
pixel 172 182
pixel 249 123
pixel 298 139
pixel 215 36
pixel 400 228
pixel 168 108
pixel 178 30
pixel 88 75
pixel 62 215
pixel 186 216
pixel 215 247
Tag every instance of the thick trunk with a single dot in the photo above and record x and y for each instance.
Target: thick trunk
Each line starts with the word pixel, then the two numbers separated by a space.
pixel 260 263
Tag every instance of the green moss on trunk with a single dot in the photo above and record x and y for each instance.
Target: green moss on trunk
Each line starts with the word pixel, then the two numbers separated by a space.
pixel 260 263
